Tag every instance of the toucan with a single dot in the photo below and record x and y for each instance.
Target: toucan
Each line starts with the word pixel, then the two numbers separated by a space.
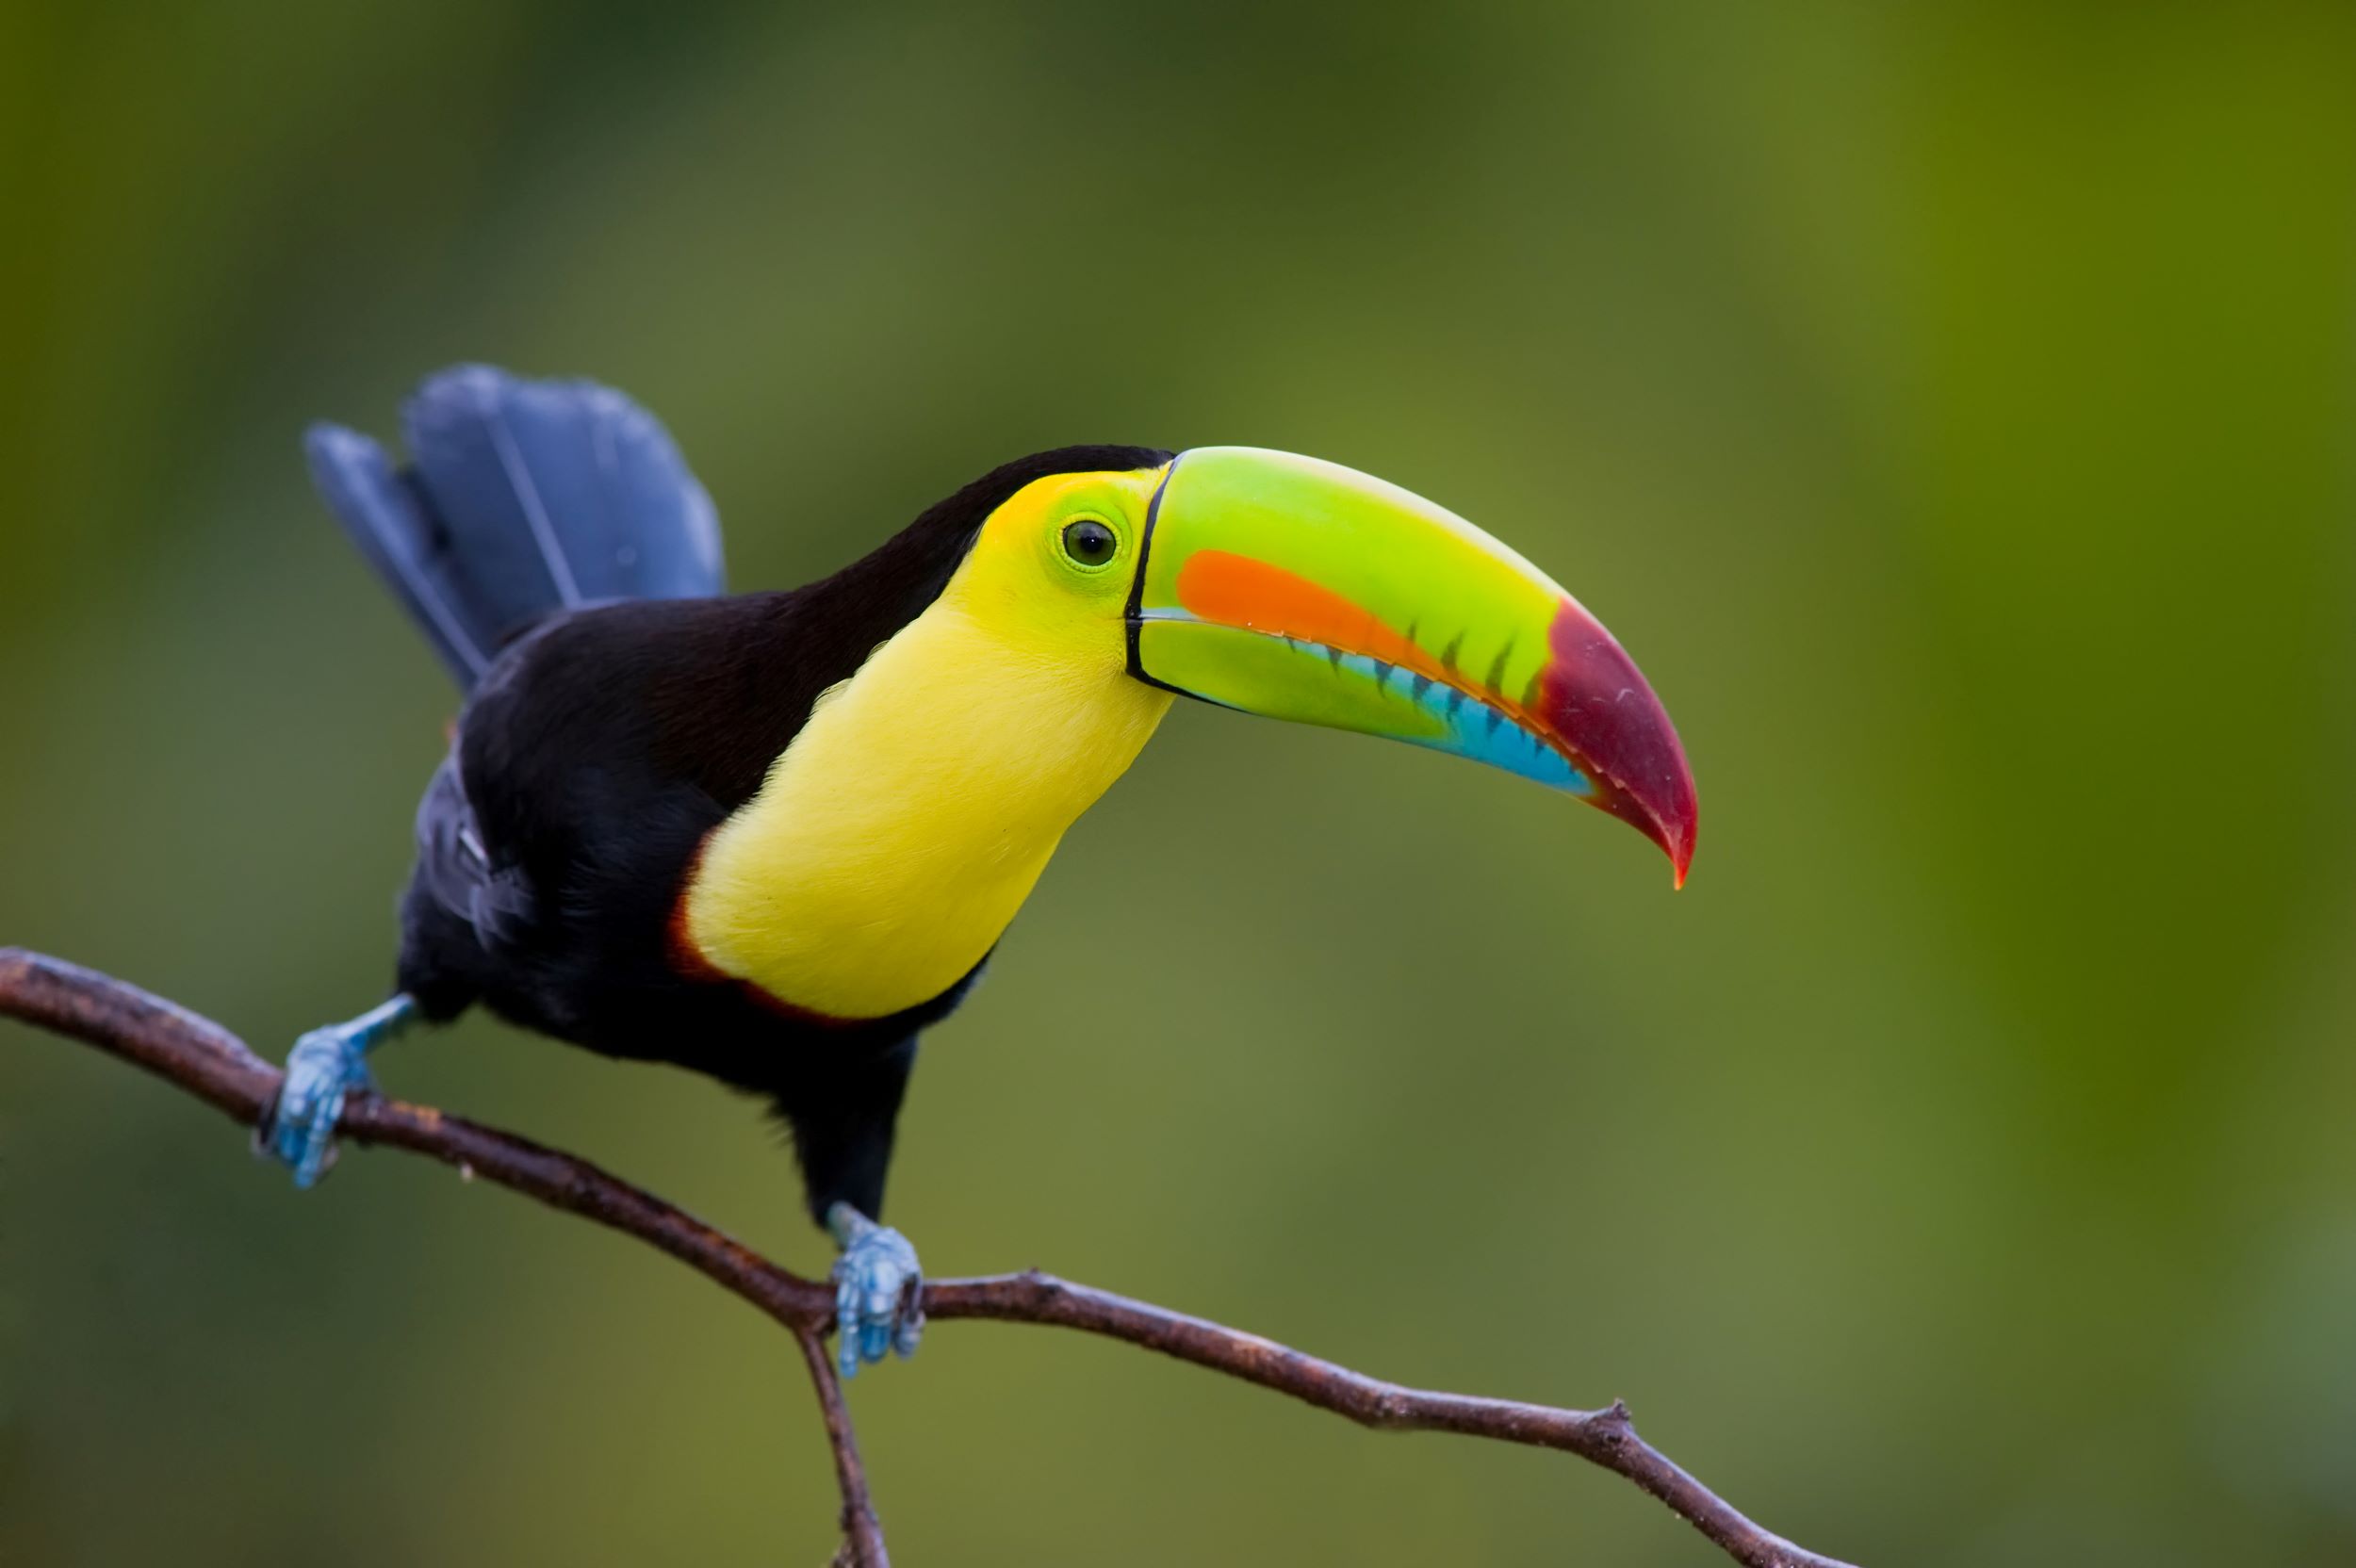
pixel 774 837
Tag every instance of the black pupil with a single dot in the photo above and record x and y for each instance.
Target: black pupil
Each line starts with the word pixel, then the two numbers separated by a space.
pixel 1089 543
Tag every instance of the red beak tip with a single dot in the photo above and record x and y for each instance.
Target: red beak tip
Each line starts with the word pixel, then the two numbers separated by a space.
pixel 1676 836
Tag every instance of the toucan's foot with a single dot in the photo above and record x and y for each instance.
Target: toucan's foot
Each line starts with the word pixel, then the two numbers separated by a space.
pixel 324 1065
pixel 878 1291
pixel 300 1128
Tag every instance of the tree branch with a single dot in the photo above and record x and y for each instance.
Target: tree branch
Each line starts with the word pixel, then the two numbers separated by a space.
pixel 208 1061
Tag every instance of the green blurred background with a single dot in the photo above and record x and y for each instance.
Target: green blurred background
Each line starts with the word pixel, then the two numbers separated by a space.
pixel 1951 406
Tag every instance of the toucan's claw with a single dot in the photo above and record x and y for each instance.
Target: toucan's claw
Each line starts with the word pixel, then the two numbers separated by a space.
pixel 323 1067
pixel 878 1291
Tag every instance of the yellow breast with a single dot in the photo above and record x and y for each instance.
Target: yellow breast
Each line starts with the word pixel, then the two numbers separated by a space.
pixel 894 840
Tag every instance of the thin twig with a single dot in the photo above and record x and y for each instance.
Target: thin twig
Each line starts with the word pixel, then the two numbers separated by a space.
pixel 862 1534
pixel 208 1061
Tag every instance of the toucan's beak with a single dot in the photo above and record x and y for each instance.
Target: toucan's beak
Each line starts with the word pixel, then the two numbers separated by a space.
pixel 1302 590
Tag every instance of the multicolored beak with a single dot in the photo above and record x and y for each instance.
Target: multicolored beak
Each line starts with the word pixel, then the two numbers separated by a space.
pixel 1301 590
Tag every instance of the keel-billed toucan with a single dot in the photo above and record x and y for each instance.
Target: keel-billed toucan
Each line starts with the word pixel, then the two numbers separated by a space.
pixel 774 835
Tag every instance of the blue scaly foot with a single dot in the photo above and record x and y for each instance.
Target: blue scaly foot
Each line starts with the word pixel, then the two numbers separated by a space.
pixel 324 1064
pixel 878 1291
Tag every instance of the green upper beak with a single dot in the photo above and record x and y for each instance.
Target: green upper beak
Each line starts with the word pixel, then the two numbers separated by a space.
pixel 1300 589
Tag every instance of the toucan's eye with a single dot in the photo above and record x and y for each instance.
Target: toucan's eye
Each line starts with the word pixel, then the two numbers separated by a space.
pixel 1090 542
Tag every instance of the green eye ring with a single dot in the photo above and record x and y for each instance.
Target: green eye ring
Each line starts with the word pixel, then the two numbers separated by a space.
pixel 1089 543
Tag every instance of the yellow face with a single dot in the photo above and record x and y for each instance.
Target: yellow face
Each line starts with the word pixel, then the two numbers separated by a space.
pixel 1052 567
pixel 904 826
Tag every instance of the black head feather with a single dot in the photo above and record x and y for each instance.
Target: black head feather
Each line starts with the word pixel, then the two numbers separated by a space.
pixel 913 567
pixel 851 612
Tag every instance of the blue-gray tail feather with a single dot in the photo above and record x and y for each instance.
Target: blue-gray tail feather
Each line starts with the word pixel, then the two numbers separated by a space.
pixel 523 499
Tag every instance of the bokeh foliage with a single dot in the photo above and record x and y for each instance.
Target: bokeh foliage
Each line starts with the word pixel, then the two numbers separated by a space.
pixel 1951 405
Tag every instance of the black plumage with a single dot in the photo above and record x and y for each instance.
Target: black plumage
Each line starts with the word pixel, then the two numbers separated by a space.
pixel 601 742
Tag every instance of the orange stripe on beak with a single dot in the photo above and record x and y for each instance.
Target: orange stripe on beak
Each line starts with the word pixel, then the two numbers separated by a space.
pixel 1234 590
